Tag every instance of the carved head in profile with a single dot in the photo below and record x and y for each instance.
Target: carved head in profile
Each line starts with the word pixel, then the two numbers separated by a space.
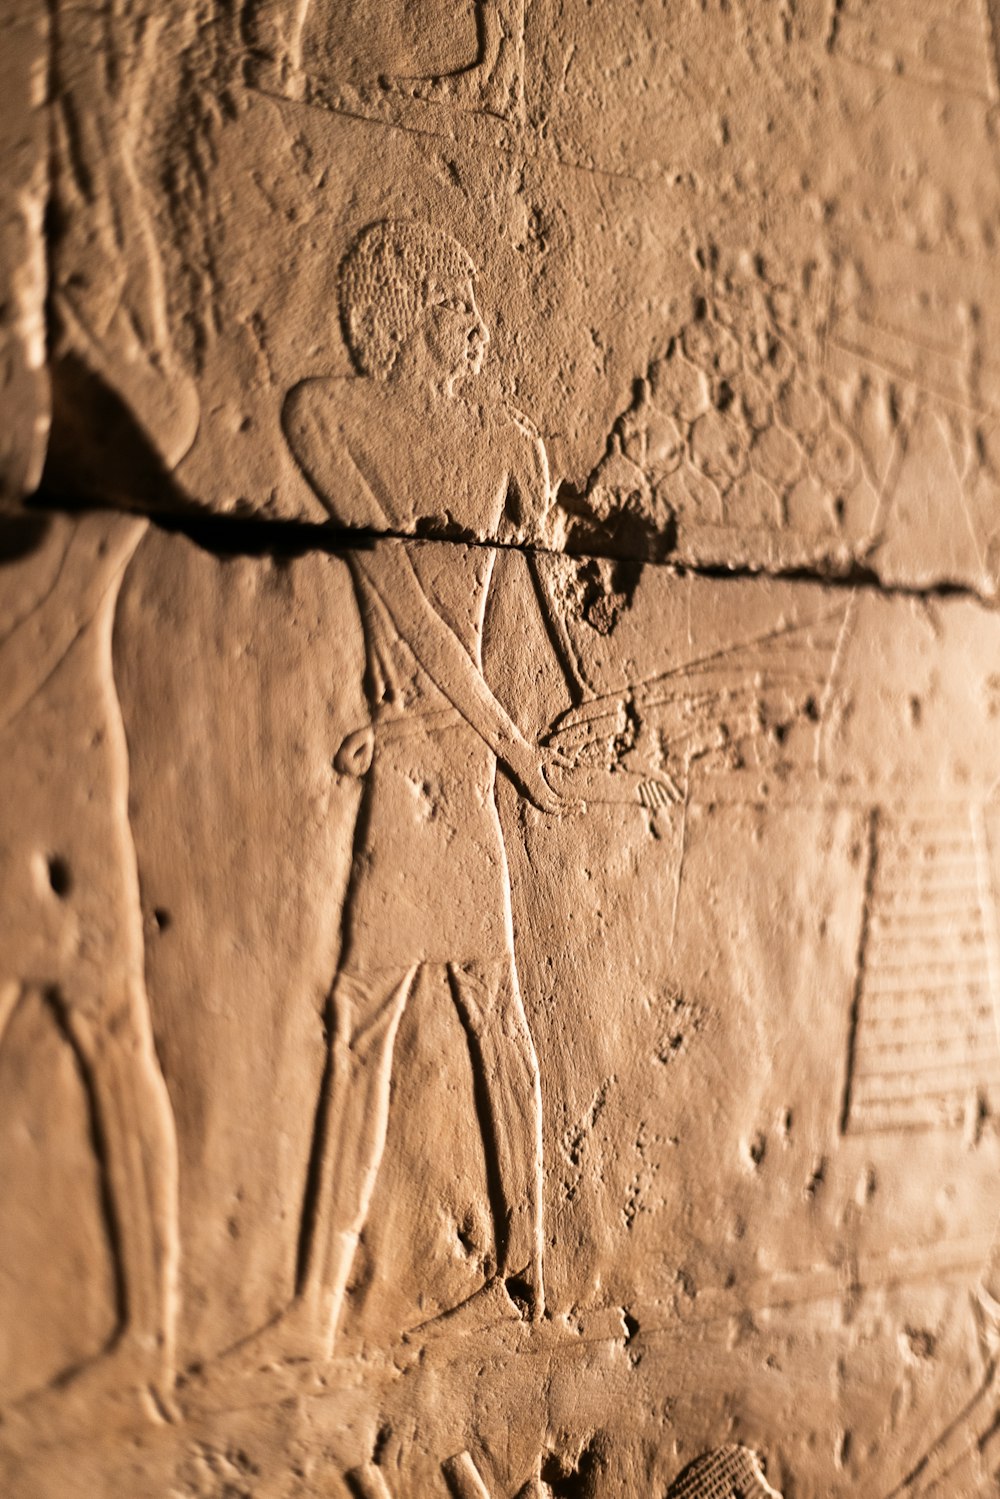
pixel 408 305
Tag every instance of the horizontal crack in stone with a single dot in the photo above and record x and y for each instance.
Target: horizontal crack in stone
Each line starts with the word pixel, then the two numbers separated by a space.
pixel 254 536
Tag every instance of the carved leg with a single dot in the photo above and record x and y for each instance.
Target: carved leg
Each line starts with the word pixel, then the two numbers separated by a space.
pixel 509 1091
pixel 108 287
pixel 134 1126
pixel 133 1129
pixel 368 1482
pixel 463 1477
pixel 350 1139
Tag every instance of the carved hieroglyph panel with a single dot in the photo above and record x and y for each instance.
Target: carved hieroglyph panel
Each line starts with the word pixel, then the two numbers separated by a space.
pixel 925 1048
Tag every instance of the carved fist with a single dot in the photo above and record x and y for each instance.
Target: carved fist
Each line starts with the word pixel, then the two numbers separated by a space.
pixel 354 757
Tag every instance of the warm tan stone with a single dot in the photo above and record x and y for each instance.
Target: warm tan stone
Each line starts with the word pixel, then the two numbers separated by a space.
pixel 500 846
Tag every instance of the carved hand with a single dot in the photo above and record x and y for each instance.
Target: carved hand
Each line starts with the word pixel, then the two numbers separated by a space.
pixel 596 785
pixel 531 768
pixel 354 756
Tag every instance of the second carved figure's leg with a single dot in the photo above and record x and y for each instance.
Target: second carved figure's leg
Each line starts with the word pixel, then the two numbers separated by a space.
pixel 509 1089
pixel 134 1122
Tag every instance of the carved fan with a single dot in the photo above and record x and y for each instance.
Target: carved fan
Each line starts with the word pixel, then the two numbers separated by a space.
pixel 695 707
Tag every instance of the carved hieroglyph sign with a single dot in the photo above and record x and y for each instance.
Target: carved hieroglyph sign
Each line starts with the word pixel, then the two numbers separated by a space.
pixel 500 844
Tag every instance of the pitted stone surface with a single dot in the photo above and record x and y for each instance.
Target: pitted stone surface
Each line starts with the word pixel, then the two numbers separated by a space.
pixel 500 844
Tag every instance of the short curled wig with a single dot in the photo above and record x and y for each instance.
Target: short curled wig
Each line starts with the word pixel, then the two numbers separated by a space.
pixel 385 285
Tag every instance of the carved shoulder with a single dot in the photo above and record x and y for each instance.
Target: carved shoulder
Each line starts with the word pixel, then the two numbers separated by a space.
pixel 316 421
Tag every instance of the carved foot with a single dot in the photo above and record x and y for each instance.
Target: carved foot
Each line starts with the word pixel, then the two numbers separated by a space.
pixel 976 1427
pixel 290 1356
pixel 120 1389
pixel 504 1305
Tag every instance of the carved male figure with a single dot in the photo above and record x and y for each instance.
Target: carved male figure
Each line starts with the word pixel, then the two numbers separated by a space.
pixel 406 440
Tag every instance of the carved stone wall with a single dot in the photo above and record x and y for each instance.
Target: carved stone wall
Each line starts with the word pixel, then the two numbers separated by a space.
pixel 499 691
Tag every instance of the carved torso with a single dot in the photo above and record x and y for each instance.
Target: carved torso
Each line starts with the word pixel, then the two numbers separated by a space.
pixel 429 879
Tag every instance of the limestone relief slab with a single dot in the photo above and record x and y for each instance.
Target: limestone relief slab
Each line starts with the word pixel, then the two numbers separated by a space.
pixel 499 687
